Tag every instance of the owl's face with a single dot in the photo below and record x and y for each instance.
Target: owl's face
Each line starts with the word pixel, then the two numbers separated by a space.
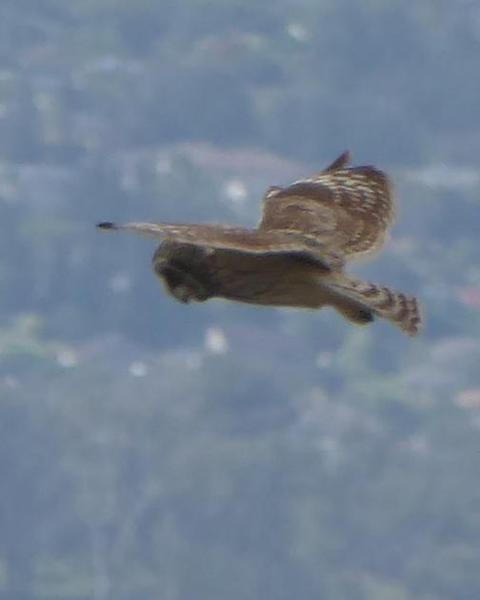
pixel 183 270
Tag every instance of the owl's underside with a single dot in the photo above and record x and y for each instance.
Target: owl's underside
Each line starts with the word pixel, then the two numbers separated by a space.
pixel 195 274
pixel 295 257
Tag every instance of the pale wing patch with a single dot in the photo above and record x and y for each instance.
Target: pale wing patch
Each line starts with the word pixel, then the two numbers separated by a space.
pixel 349 208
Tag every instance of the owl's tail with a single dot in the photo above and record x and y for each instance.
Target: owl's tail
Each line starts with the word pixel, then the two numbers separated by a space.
pixel 358 299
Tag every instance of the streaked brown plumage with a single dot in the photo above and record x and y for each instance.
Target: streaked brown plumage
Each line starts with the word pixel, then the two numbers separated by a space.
pixel 296 255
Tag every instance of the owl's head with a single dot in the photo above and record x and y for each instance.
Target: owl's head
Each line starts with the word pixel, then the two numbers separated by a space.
pixel 183 270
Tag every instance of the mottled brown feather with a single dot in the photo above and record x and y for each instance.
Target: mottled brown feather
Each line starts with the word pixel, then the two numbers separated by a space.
pixel 350 209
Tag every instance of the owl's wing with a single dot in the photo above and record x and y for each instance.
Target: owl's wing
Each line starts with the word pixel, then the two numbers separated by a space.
pixel 348 209
pixel 249 241
pixel 340 162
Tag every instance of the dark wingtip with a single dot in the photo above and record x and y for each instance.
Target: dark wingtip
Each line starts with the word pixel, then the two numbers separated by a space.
pixel 106 225
pixel 340 162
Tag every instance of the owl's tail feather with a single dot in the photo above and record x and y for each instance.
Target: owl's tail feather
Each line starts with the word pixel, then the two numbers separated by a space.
pixel 402 310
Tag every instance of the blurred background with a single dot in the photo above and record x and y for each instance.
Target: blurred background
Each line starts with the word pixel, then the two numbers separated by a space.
pixel 156 451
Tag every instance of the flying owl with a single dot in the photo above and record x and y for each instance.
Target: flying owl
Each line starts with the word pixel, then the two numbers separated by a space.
pixel 296 255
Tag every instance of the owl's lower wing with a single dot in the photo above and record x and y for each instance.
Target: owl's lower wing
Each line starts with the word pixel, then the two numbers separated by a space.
pixel 249 241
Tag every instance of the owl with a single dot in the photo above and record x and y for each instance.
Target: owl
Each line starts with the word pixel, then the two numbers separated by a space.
pixel 297 254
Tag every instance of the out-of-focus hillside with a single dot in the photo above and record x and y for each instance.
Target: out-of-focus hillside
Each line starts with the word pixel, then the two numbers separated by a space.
pixel 153 450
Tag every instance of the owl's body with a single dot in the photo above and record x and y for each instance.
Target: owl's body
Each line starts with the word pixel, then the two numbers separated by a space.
pixel 256 279
pixel 295 257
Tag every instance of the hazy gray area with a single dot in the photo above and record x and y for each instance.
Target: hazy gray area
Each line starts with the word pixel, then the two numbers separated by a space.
pixel 150 450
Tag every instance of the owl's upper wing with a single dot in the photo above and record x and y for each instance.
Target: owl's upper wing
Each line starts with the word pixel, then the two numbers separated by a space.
pixel 349 209
pixel 250 241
